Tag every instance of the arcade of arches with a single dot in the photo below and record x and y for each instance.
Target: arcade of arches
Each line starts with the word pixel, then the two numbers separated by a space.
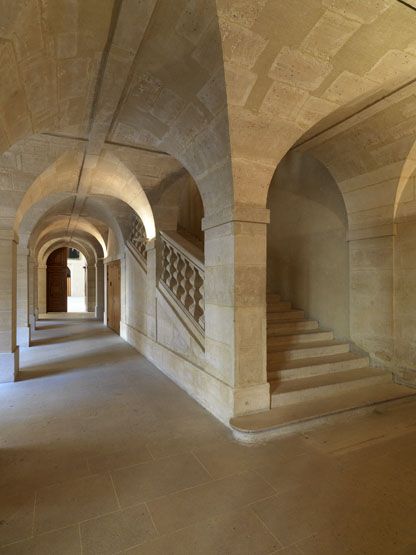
pixel 240 178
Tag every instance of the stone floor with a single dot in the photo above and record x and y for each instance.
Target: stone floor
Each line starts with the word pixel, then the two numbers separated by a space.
pixel 101 454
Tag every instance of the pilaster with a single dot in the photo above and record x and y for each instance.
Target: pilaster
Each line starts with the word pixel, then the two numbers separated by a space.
pixel 235 304
pixel 9 351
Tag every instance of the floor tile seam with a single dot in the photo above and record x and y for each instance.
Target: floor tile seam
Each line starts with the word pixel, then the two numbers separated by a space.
pixel 116 469
pixel 152 519
pixel 115 491
pixel 218 514
pixel 195 523
pixel 202 464
pixel 34 514
pixel 369 442
pixel 81 522
pixel 257 471
pixel 42 488
pixel 35 536
pixel 297 542
pixel 81 547
pixel 151 460
pixel 150 500
pixel 253 512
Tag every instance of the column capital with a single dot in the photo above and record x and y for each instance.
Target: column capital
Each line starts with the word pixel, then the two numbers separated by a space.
pixel 9 235
pixel 239 212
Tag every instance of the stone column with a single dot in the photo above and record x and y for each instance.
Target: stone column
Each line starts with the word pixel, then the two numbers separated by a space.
pixel 105 262
pixel 123 296
pixel 32 291
pixel 23 328
pixel 99 287
pixel 91 290
pixel 41 288
pixel 9 351
pixel 235 305
pixel 371 291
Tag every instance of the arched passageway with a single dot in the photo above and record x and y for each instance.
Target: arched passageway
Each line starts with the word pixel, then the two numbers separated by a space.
pixel 307 248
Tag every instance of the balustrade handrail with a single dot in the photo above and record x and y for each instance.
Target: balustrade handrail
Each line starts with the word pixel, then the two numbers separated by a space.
pixel 188 249
pixel 138 240
pixel 182 275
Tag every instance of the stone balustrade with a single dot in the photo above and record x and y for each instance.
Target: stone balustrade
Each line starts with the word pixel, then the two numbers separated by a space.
pixel 182 274
pixel 138 239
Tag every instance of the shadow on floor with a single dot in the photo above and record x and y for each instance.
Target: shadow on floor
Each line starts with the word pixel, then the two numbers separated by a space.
pixel 107 357
pixel 70 337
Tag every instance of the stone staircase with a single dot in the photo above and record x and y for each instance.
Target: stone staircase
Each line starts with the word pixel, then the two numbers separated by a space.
pixel 313 376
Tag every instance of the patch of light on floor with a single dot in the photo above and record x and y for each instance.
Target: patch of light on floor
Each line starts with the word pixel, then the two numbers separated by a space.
pixel 76 304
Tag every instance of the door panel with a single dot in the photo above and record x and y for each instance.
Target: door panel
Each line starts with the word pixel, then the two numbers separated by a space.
pixel 113 296
pixel 56 284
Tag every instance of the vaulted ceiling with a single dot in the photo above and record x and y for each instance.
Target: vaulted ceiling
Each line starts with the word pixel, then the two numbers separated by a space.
pixel 106 106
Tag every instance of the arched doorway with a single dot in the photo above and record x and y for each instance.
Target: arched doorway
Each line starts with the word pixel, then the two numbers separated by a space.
pixel 77 290
pixel 56 281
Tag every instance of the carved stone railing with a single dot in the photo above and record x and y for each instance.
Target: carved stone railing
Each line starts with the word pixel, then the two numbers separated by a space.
pixel 182 275
pixel 138 240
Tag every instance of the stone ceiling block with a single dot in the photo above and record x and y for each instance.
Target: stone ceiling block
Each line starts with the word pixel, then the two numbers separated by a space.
pixel 243 12
pixel 195 20
pixel 299 69
pixel 240 82
pixel 283 99
pixel 393 65
pixel 167 106
pixel 348 86
pixel 241 46
pixel 359 10
pixel 212 95
pixel 329 35
pixel 145 90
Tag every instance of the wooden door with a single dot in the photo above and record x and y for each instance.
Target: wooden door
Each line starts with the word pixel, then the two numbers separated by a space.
pixel 56 284
pixel 113 296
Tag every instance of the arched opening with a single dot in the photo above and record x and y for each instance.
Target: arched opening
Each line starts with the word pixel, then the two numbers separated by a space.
pixel 56 281
pixel 307 251
pixel 404 272
pixel 77 290
pixel 66 283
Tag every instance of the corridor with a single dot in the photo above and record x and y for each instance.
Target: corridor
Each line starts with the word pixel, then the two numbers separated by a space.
pixel 102 454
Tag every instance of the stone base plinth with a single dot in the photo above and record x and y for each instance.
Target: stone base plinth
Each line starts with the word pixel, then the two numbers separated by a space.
pixel 9 366
pixel 23 336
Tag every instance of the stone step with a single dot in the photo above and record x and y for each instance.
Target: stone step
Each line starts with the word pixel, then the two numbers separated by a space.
pixel 306 350
pixel 278 306
pixel 309 414
pixel 287 315
pixel 291 326
pixel 301 336
pixel 302 368
pixel 273 297
pixel 324 385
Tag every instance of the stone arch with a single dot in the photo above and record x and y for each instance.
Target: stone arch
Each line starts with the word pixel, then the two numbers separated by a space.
pixel 91 249
pixel 59 226
pixel 106 176
pixel 80 244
